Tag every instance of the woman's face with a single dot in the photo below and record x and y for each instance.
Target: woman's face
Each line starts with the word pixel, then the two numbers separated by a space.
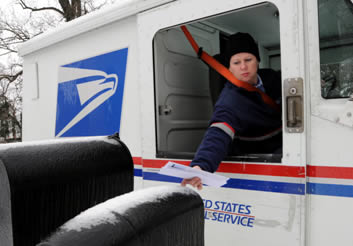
pixel 244 67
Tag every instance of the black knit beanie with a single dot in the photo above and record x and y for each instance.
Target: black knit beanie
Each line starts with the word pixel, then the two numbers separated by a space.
pixel 241 42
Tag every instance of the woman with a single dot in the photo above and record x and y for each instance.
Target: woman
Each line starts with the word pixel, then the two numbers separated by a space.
pixel 242 122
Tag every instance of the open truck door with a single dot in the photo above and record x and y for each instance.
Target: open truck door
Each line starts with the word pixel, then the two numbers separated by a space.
pixel 264 201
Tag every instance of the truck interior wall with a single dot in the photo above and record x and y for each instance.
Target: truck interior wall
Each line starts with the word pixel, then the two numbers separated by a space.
pixel 182 88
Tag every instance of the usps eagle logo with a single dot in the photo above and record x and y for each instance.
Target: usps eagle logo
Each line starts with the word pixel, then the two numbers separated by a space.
pixel 90 94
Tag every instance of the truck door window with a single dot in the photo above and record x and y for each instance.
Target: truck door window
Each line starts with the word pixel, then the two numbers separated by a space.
pixel 336 48
pixel 184 97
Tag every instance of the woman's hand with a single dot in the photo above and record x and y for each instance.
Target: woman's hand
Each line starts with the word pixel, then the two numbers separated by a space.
pixel 195 181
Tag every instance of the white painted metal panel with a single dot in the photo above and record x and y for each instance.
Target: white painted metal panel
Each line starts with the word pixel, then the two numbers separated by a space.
pixel 31 73
pixel 330 181
pixel 39 115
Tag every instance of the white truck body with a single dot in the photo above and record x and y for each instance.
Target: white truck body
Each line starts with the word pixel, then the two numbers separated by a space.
pixel 129 69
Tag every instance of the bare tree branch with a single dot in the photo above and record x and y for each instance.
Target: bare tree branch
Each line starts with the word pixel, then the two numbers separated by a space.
pixel 25 6
pixel 10 78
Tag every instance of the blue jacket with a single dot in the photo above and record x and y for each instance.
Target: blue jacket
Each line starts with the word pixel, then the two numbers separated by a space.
pixel 242 123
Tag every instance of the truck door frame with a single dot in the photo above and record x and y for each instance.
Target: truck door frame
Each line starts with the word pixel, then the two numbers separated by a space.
pixel 292 66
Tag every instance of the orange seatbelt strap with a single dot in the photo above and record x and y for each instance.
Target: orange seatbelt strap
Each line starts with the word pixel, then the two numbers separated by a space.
pixel 225 71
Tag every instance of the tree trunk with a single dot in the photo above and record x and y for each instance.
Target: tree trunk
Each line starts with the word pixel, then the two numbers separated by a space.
pixel 71 10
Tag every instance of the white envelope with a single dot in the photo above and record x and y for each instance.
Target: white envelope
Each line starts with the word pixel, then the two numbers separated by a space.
pixel 181 171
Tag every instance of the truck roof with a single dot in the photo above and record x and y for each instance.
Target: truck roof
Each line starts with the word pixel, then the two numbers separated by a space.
pixel 120 10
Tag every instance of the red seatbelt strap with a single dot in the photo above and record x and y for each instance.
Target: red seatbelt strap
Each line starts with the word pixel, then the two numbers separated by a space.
pixel 225 71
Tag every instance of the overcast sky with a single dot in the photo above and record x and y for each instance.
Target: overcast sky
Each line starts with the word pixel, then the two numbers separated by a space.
pixel 6 3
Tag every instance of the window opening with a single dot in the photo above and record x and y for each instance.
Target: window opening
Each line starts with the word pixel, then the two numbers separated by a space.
pixel 336 48
pixel 184 95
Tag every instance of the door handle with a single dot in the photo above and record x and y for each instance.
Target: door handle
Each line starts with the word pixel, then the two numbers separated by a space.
pixel 294 108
